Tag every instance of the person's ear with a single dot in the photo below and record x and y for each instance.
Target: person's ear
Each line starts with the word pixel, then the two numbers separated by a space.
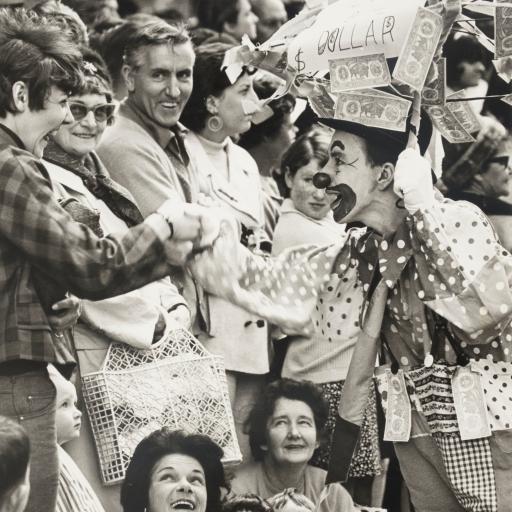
pixel 20 96
pixel 128 74
pixel 385 176
pixel 212 105
pixel 288 178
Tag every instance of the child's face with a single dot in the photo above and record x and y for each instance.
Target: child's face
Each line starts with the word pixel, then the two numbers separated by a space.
pixel 67 416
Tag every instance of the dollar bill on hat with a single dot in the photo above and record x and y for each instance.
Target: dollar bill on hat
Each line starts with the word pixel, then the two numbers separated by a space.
pixel 434 92
pixel 503 30
pixel 448 125
pixel 419 49
pixel 387 112
pixel 359 72
pixel 322 102
pixel 463 112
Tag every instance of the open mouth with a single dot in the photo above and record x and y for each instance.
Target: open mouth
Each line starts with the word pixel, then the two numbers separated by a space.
pixel 183 505
pixel 169 105
pixel 86 136
pixel 294 447
pixel 344 200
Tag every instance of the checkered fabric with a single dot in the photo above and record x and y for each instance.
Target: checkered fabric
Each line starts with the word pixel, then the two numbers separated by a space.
pixel 38 236
pixel 470 470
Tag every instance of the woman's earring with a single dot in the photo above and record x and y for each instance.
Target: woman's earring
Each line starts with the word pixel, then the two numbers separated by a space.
pixel 215 123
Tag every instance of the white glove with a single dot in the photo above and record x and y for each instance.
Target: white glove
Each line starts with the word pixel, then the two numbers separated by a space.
pixel 413 181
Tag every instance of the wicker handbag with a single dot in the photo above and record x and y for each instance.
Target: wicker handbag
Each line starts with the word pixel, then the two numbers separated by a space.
pixel 176 383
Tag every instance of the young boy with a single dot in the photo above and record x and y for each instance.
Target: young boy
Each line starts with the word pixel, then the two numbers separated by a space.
pixel 74 492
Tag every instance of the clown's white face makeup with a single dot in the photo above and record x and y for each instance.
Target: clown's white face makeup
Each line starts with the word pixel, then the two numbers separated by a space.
pixel 355 180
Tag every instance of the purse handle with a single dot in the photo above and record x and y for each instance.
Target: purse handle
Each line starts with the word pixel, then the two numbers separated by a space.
pixel 196 347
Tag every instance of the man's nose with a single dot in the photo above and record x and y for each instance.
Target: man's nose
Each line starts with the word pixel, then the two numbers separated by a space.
pixel 172 88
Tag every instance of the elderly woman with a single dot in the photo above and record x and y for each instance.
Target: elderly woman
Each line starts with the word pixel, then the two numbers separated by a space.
pixel 216 111
pixel 285 427
pixel 479 172
pixel 171 470
pixel 84 188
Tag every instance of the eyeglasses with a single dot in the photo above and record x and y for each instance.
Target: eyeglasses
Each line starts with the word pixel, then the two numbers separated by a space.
pixel 501 160
pixel 102 113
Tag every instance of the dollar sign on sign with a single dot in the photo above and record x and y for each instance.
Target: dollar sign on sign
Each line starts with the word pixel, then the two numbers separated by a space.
pixel 300 64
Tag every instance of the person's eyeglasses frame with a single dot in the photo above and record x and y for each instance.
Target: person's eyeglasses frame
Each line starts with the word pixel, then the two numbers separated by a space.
pixel 109 115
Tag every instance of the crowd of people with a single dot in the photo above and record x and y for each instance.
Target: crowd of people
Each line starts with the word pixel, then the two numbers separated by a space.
pixel 122 138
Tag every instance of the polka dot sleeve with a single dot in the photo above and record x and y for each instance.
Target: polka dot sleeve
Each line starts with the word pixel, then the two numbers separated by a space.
pixel 283 289
pixel 463 273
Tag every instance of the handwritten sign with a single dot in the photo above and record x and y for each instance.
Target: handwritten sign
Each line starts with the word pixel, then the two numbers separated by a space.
pixel 347 29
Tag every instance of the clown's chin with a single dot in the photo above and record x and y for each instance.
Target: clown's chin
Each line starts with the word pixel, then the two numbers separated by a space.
pixel 343 203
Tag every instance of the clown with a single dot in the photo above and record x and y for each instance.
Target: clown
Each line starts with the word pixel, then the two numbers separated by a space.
pixel 449 300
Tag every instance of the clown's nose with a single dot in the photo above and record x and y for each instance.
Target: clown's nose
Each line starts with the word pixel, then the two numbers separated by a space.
pixel 321 180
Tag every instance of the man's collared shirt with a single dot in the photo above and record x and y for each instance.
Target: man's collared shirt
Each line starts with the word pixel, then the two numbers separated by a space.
pixel 170 140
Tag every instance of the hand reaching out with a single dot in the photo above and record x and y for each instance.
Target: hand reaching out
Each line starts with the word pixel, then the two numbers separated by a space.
pixel 66 313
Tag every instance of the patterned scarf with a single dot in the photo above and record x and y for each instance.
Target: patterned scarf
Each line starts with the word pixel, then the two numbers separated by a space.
pixel 95 177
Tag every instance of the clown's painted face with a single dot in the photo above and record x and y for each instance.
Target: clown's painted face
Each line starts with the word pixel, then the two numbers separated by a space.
pixel 351 192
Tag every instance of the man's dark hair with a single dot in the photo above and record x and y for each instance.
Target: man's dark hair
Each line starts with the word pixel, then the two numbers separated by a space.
pixel 265 86
pixel 38 53
pixel 14 455
pixel 154 32
pixel 303 391
pixel 111 44
pixel 214 13
pixel 135 489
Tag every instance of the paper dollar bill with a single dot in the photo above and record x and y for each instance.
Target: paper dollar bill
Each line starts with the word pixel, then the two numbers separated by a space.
pixel 503 30
pixel 507 99
pixel 359 72
pixel 419 49
pixel 373 110
pixel 398 414
pixel 463 112
pixel 321 101
pixel 434 93
pixel 448 125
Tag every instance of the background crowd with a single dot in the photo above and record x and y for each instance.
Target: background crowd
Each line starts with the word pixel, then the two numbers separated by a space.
pixel 155 117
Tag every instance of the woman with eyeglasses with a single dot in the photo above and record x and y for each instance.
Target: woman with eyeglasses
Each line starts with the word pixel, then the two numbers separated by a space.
pixel 85 190
pixel 479 172
pixel 221 107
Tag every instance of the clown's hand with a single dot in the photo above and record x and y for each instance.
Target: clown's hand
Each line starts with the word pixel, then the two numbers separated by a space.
pixel 413 181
